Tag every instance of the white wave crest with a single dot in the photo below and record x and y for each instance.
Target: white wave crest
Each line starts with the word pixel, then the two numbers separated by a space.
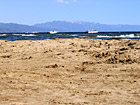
pixel 3 34
pixel 28 35
pixel 74 35
pixel 121 36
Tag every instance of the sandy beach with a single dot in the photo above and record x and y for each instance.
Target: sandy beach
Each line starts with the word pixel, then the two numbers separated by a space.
pixel 70 72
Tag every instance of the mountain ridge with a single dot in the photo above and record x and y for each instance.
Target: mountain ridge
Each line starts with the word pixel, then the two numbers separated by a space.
pixel 65 26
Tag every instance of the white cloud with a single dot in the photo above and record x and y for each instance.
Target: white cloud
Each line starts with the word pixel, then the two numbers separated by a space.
pixel 62 1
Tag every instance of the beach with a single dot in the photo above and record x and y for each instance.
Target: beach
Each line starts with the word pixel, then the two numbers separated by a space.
pixel 70 72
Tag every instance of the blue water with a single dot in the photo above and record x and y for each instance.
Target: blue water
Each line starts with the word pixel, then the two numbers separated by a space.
pixel 44 35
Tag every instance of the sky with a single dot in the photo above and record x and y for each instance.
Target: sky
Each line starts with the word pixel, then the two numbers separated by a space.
pixel 100 11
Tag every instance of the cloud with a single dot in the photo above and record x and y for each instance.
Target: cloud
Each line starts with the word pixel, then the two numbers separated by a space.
pixel 62 1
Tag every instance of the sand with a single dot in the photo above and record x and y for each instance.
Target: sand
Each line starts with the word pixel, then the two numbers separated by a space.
pixel 70 72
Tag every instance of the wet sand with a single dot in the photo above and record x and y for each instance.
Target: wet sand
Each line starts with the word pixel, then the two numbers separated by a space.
pixel 70 72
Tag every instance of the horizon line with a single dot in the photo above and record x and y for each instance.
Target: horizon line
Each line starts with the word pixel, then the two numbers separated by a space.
pixel 66 21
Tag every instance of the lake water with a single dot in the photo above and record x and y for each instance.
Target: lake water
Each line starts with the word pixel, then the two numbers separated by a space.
pixel 45 35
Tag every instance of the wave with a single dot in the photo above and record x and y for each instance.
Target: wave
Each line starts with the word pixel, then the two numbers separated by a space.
pixel 83 36
pixel 130 35
pixel 24 34
pixel 74 35
pixel 27 34
pixel 120 36
pixel 16 34
pixel 3 34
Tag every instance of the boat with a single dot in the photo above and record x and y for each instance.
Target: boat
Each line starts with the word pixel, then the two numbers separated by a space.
pixel 53 32
pixel 92 31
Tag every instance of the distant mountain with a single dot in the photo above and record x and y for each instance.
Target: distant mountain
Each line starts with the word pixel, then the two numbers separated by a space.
pixel 61 26
pixel 12 27
pixel 64 26
pixel 80 26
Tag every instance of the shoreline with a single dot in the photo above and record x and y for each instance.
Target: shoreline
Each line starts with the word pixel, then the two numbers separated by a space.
pixel 70 71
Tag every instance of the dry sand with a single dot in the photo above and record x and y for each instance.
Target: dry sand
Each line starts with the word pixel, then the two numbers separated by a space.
pixel 70 71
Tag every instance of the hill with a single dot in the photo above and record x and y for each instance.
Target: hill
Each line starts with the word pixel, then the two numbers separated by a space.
pixel 13 27
pixel 64 26
pixel 80 26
